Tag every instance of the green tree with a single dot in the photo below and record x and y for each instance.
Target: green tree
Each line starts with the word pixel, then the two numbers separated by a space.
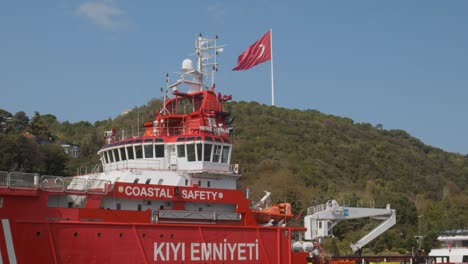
pixel 20 121
pixel 53 159
pixel 7 154
pixel 27 158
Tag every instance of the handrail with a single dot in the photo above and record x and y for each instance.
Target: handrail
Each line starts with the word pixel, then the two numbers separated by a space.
pixel 49 183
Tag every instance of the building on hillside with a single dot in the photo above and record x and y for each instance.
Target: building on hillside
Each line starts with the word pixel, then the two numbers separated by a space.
pixel 71 150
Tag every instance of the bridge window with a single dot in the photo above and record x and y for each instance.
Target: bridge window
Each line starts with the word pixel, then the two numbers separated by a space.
pixel 139 151
pixel 224 158
pixel 159 149
pixel 191 152
pixel 130 152
pixel 149 151
pixel 217 153
pixel 111 156
pixel 181 151
pixel 199 151
pixel 116 155
pixel 105 157
pixel 207 154
pixel 122 154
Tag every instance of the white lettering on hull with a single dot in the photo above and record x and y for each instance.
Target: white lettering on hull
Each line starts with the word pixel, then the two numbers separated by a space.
pixel 148 192
pixel 201 195
pixel 203 251
pixel 165 192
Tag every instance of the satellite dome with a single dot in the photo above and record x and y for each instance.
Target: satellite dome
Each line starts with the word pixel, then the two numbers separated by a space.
pixel 187 65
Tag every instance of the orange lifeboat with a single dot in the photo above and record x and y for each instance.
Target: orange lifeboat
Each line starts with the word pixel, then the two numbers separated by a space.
pixel 274 213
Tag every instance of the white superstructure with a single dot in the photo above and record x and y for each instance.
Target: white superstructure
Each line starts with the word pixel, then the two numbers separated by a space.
pixel 454 246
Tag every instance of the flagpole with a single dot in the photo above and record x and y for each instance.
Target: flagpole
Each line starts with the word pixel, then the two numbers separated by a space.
pixel 271 63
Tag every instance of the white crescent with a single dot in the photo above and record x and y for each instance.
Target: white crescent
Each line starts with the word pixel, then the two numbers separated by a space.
pixel 263 50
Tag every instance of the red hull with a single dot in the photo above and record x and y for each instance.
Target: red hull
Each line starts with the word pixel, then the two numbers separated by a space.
pixel 39 234
pixel 89 242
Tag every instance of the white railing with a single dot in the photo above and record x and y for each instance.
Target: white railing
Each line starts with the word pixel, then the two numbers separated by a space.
pixel 52 183
pixel 32 181
pixel 316 209
pixel 146 164
pixel 22 180
pixel 3 179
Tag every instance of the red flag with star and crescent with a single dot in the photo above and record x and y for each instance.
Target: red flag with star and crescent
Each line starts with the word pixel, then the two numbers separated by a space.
pixel 257 53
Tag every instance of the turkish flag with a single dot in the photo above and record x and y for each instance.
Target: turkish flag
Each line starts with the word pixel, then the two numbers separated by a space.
pixel 257 53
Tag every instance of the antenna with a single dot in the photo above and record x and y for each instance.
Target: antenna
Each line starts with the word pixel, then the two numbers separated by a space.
pixel 207 51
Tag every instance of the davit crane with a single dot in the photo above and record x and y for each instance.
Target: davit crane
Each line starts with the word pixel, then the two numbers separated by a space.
pixel 321 219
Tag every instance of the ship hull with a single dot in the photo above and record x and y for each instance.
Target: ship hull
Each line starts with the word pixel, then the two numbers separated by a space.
pixel 112 242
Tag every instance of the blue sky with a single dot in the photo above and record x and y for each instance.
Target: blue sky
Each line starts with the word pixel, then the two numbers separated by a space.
pixel 402 64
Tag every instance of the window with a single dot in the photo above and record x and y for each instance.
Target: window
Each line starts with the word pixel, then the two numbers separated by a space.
pixel 139 151
pixel 159 149
pixel 130 152
pixel 181 151
pixel 136 180
pixel 111 156
pixel 191 152
pixel 186 182
pixel 116 154
pixel 208 184
pixel 122 154
pixel 118 206
pixel 149 151
pixel 207 154
pixel 199 183
pixel 148 181
pixel 105 157
pixel 224 158
pixel 217 153
pixel 199 151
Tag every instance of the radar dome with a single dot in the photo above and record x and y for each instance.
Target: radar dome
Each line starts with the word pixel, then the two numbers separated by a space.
pixel 187 65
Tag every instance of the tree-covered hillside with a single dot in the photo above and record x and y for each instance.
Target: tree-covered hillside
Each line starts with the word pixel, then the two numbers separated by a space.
pixel 304 157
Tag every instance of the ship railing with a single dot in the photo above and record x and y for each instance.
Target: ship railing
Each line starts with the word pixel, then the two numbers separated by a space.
pixel 83 185
pixel 22 180
pixel 316 209
pixel 49 183
pixel 98 186
pixel 52 183
pixel 148 164
pixel 3 179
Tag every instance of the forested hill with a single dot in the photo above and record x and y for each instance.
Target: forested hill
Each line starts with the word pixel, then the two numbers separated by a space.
pixel 304 157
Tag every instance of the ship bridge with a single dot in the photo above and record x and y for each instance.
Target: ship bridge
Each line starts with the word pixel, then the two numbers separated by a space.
pixel 186 153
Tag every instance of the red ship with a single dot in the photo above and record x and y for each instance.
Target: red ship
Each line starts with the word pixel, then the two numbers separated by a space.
pixel 167 196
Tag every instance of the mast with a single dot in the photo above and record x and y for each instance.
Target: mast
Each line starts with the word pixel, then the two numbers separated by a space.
pixel 206 50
